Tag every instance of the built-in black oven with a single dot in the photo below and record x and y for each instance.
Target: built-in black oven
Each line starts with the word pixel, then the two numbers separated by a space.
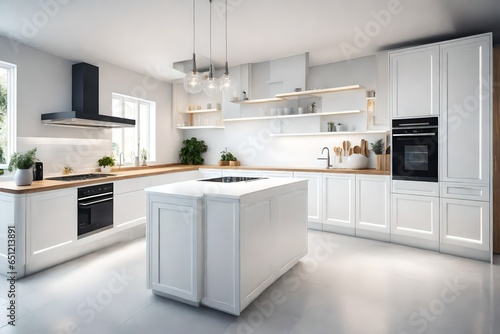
pixel 415 149
pixel 95 209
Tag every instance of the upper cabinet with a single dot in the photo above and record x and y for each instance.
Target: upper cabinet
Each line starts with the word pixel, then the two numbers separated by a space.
pixel 414 82
pixel 465 125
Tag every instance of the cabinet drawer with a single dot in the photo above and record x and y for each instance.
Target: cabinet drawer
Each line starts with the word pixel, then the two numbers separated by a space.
pixel 125 186
pixel 465 191
pixel 415 188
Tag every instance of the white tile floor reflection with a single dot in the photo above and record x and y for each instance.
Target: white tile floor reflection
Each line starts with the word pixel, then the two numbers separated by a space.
pixel 344 285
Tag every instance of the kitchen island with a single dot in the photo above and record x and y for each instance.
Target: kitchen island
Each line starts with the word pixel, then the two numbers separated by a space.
pixel 222 243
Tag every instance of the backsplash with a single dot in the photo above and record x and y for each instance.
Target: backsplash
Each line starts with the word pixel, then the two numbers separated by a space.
pixel 81 154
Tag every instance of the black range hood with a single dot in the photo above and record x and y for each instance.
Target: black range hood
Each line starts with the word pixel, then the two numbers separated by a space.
pixel 85 103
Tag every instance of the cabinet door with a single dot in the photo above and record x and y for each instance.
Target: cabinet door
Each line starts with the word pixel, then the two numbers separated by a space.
pixel 176 248
pixel 466 105
pixel 51 222
pixel 464 224
pixel 129 202
pixel 414 82
pixel 339 203
pixel 314 196
pixel 372 206
pixel 415 221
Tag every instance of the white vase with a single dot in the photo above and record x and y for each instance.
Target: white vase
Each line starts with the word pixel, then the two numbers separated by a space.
pixel 23 177
pixel 106 169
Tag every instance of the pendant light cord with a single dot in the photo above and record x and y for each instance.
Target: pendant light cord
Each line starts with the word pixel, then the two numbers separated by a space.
pixel 194 26
pixel 226 31
pixel 210 73
pixel 194 37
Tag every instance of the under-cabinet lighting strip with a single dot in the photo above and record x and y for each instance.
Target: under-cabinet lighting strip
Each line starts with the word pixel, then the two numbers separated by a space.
pixel 52 247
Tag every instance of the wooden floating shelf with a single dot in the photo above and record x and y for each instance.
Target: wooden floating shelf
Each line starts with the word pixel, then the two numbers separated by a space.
pixel 272 99
pixel 317 92
pixel 328 133
pixel 332 113
pixel 200 127
pixel 199 111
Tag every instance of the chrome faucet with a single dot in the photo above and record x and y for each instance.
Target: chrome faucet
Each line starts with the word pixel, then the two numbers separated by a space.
pixel 328 165
pixel 120 161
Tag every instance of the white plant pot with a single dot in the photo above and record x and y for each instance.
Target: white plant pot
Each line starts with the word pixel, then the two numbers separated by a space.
pixel 106 169
pixel 23 177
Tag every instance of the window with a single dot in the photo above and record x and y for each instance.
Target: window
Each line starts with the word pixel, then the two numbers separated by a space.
pixel 134 141
pixel 7 112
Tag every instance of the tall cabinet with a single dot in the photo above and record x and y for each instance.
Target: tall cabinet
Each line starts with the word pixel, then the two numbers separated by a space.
pixel 451 80
pixel 465 127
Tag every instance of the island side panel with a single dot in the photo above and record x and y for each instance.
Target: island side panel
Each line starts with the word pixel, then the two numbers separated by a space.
pixel 12 208
pixel 222 253
pixel 291 225
pixel 257 249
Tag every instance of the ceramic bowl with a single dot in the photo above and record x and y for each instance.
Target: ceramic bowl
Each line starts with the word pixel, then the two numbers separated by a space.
pixel 356 161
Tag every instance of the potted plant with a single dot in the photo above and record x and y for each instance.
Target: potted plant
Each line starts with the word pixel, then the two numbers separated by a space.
pixel 106 162
pixel 233 161
pixel 144 156
pixel 381 161
pixel 23 163
pixel 191 152
pixel 223 158
pixel 331 126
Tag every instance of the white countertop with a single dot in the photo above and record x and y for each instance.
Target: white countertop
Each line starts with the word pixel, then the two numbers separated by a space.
pixel 197 188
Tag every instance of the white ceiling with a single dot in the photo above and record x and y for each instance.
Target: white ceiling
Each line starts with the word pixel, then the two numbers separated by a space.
pixel 148 36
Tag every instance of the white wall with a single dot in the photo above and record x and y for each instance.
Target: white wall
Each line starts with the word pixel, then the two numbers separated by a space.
pixel 44 85
pixel 251 143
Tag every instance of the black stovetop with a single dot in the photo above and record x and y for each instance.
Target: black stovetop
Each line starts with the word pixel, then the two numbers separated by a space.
pixel 79 177
pixel 232 179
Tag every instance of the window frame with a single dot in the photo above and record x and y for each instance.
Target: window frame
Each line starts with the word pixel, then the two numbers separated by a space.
pixel 152 121
pixel 11 110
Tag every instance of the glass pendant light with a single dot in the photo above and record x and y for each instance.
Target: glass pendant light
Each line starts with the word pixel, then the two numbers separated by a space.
pixel 228 84
pixel 211 86
pixel 193 81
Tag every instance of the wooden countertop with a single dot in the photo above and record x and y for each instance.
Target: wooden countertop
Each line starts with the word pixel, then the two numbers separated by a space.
pixel 134 172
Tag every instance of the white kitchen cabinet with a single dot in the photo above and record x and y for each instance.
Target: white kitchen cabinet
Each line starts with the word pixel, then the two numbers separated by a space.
pixel 129 202
pixel 12 208
pixel 372 207
pixel 207 173
pixel 465 228
pixel 51 228
pixel 274 173
pixel 414 82
pixel 465 126
pixel 338 197
pixel 415 221
pixel 314 198
pixel 160 179
pixel 241 172
pixel 175 247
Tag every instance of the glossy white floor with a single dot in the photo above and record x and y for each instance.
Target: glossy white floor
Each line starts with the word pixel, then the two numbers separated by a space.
pixel 344 285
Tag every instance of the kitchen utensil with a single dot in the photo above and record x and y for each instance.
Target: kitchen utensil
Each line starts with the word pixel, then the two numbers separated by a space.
pixel 348 147
pixel 363 146
pixel 367 149
pixel 357 149
pixel 388 150
pixel 351 151
pixel 344 146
